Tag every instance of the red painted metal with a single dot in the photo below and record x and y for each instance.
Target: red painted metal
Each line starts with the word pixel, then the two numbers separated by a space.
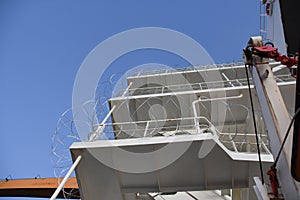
pixel 271 52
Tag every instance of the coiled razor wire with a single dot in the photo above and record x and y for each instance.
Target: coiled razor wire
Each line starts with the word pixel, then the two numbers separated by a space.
pixel 153 124
pixel 66 134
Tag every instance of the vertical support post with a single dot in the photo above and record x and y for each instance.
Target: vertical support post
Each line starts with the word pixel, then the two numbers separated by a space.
pixel 196 119
pixel 146 129
pixel 236 194
pixel 240 194
pixel 61 185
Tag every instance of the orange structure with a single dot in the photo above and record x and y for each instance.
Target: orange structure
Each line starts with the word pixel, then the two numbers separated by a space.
pixel 38 187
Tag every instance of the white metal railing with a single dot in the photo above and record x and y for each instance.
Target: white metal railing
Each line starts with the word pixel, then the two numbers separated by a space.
pixel 196 86
pixel 153 127
pixel 170 127
pixel 187 69
pixel 184 87
pixel 191 68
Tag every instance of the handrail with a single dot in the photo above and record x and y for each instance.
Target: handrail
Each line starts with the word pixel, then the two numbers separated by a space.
pixel 204 85
pixel 221 98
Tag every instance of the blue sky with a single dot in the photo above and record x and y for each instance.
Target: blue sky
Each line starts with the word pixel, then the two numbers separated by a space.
pixel 42 44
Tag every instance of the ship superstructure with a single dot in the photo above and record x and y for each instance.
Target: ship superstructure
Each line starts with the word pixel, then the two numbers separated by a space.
pixel 187 133
pixel 179 108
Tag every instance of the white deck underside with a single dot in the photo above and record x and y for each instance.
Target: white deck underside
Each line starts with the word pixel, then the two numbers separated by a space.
pixel 220 169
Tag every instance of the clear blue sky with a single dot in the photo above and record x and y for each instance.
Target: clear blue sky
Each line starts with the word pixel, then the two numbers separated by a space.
pixel 42 44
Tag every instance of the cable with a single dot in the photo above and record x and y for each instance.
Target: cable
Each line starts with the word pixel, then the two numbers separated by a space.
pixel 286 136
pixel 255 128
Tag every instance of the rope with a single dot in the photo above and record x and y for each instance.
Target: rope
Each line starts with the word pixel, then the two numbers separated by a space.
pixel 255 128
pixel 286 136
